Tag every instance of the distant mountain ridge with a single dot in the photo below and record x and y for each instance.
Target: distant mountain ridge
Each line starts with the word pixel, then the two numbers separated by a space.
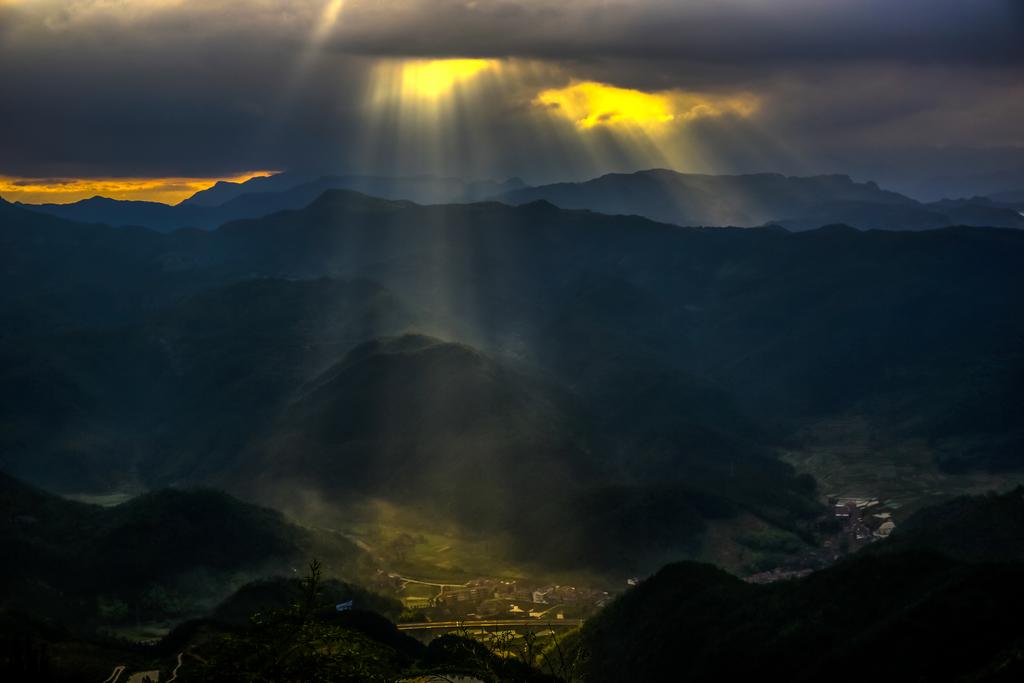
pixel 228 201
pixel 421 189
pixel 1013 198
pixel 796 203
pixel 225 190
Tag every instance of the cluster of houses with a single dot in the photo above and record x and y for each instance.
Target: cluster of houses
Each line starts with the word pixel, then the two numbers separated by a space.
pixel 520 598
pixel 778 574
pixel 864 519
pixel 860 521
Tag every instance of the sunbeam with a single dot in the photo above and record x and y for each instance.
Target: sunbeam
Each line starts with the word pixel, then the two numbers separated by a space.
pixel 420 114
pixel 328 18
pixel 434 78
pixel 306 60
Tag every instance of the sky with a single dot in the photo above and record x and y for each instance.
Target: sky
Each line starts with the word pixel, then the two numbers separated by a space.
pixel 156 98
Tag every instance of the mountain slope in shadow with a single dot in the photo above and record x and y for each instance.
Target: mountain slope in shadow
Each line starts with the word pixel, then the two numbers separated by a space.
pixel 166 553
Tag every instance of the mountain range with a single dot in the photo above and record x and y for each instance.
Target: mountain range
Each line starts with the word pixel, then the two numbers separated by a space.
pixel 472 361
pixel 227 201
pixel 575 392
pixel 796 203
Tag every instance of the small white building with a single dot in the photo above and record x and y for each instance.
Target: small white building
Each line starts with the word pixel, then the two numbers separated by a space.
pixel 885 529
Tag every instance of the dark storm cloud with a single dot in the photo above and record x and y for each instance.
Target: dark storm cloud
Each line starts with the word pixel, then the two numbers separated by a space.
pixel 723 31
pixel 172 88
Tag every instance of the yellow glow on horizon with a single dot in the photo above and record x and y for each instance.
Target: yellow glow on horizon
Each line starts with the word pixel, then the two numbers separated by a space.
pixel 68 190
pixel 589 104
pixel 434 78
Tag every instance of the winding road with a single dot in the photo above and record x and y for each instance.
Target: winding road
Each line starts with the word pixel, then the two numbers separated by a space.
pixel 174 673
pixel 115 674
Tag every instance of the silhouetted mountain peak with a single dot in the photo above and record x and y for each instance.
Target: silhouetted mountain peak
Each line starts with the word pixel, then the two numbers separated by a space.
pixel 405 343
pixel 420 348
pixel 837 228
pixel 746 200
pixel 539 205
pixel 350 200
pixel 99 202
pixel 224 190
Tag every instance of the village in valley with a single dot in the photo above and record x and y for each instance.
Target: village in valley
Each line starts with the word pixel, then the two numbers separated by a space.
pixel 863 520
pixel 489 598
pixel 850 524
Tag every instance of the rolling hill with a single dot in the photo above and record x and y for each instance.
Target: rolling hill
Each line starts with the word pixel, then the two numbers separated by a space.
pixel 468 440
pixel 75 413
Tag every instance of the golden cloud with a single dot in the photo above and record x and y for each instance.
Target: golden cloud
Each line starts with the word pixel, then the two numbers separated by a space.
pixel 589 104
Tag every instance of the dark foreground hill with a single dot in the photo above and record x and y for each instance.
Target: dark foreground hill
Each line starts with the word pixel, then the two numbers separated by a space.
pixel 162 555
pixel 986 528
pixel 936 601
pixel 895 615
pixel 293 633
pixel 898 617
